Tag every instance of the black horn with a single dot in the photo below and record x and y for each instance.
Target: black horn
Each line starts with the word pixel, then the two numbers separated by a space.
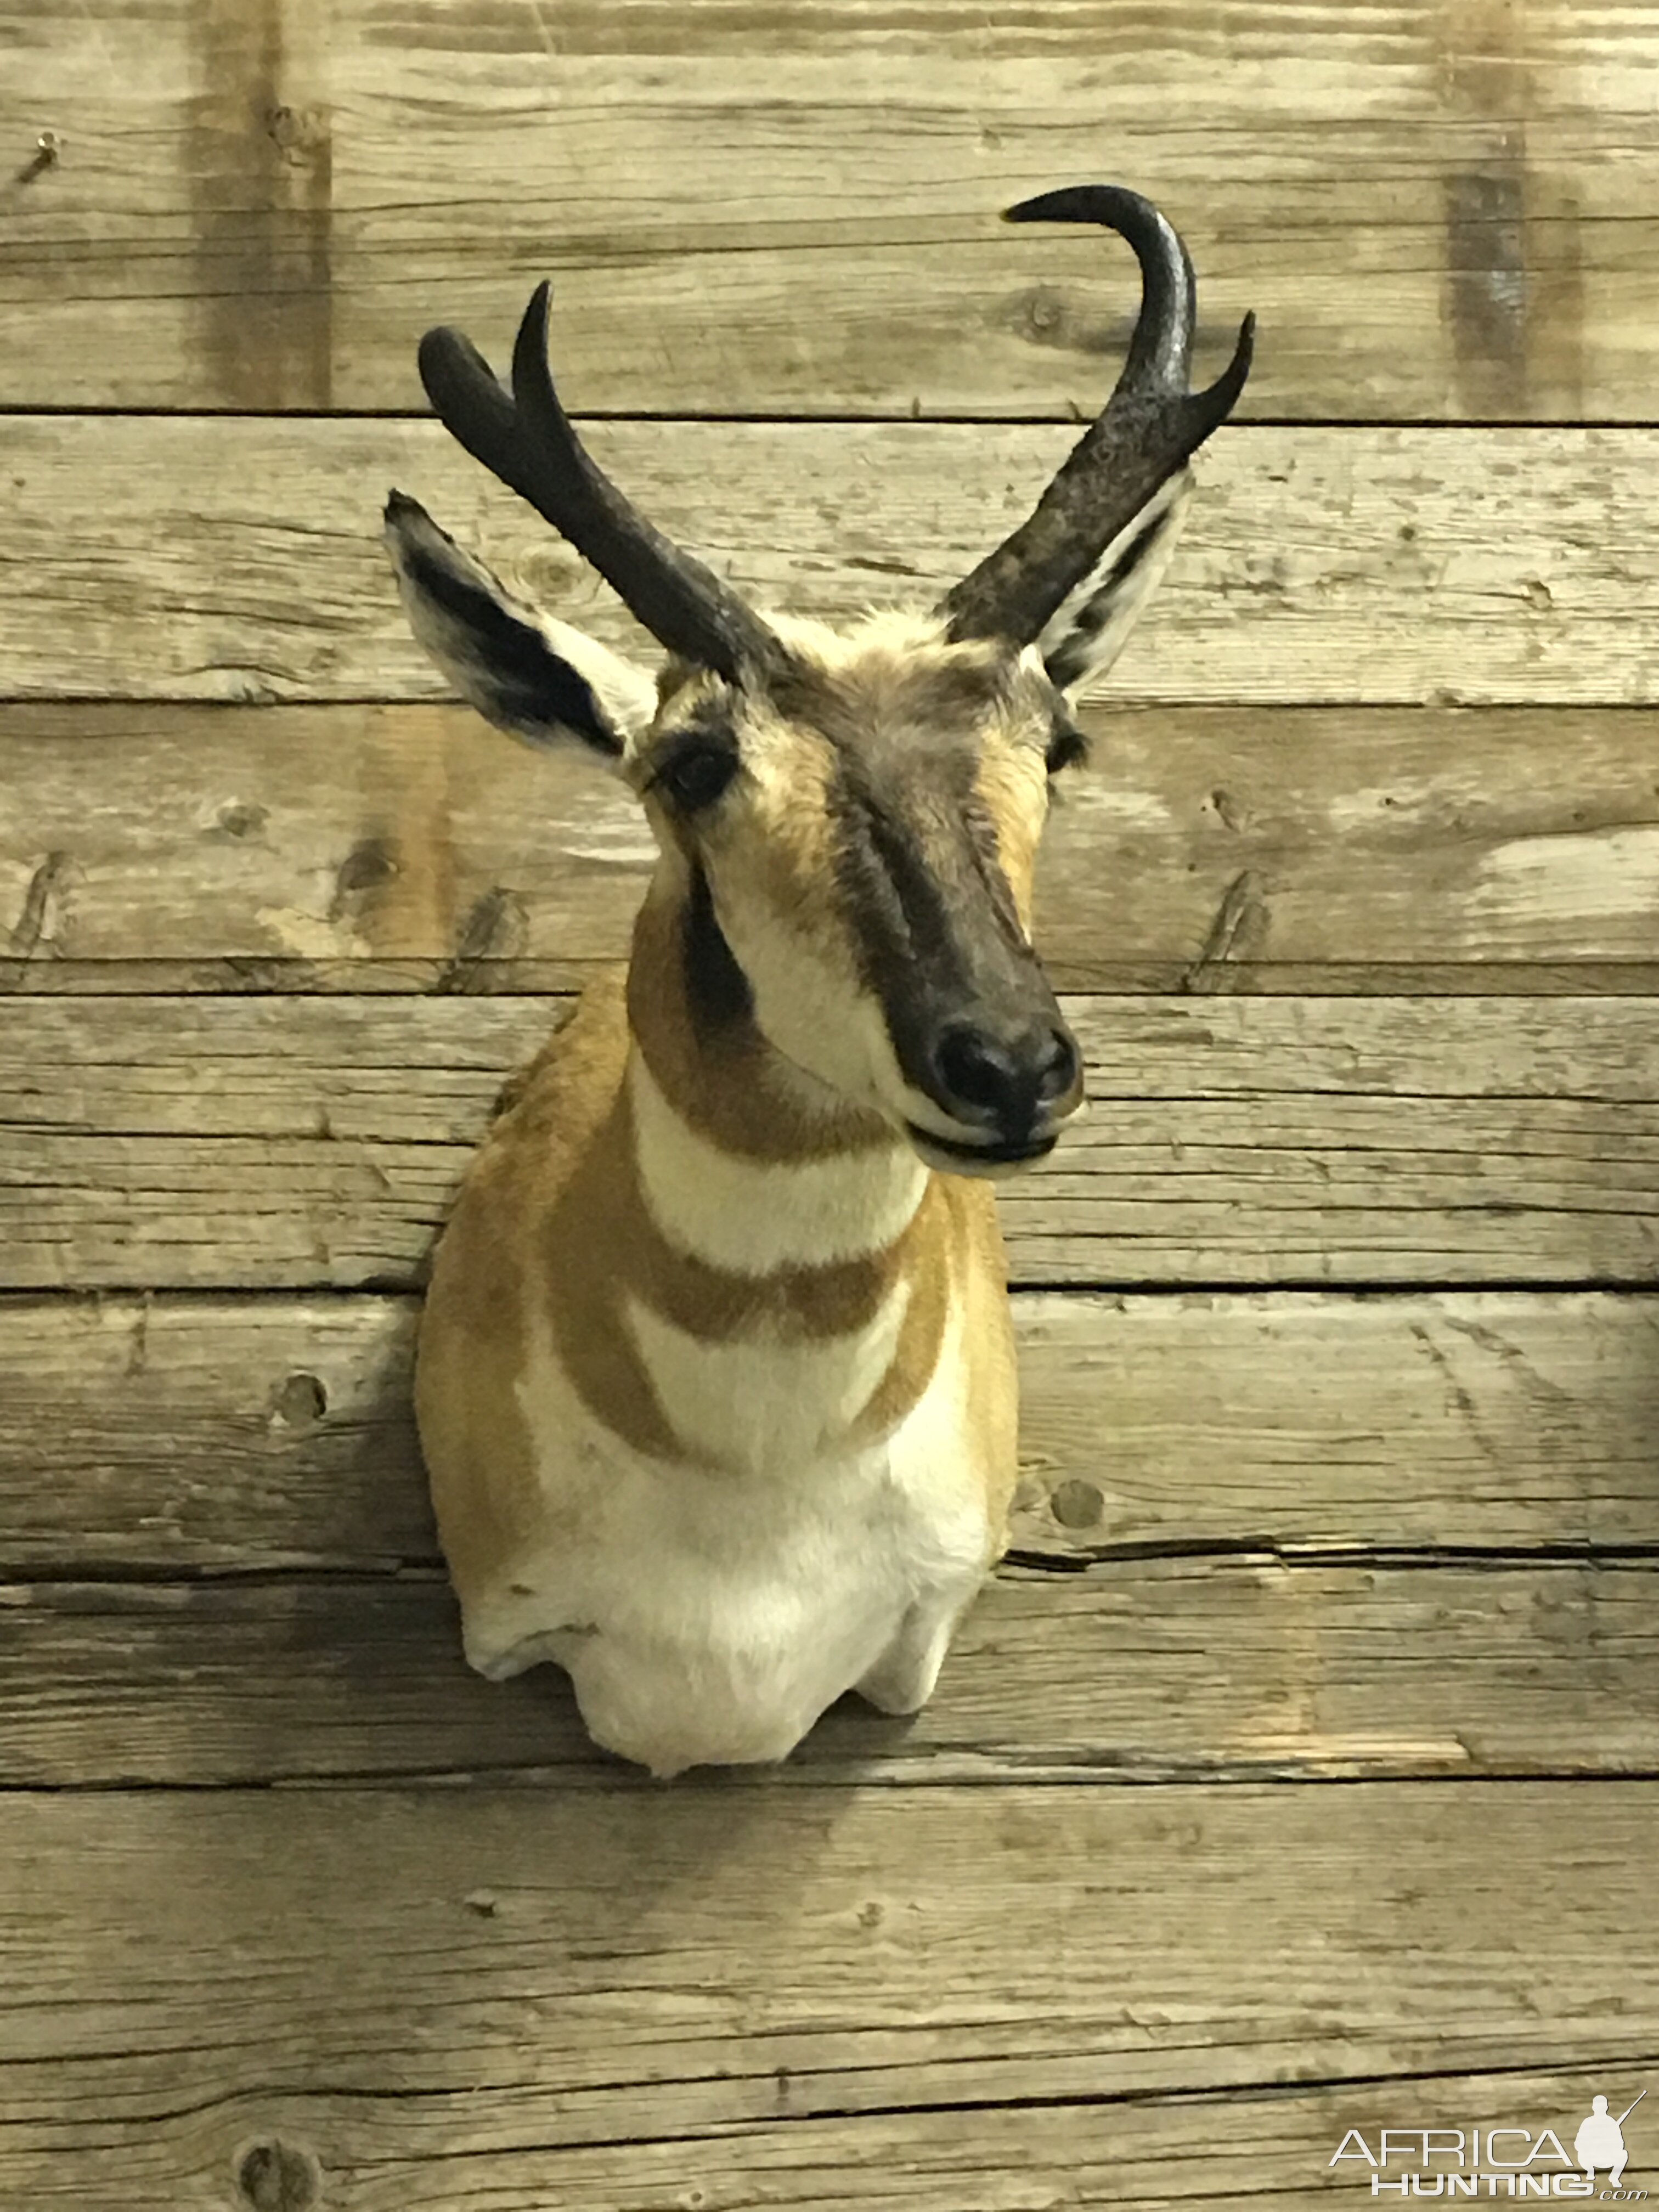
pixel 1148 430
pixel 525 438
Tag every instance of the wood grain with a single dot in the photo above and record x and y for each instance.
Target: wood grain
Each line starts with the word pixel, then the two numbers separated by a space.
pixel 1084 1931
pixel 420 1990
pixel 411 848
pixel 237 560
pixel 289 1144
pixel 1140 1671
pixel 1217 2150
pixel 1220 2151
pixel 170 1436
pixel 298 1143
pixel 1440 212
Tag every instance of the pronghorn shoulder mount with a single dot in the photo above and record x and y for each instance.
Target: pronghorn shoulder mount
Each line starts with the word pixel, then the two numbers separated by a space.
pixel 716 1380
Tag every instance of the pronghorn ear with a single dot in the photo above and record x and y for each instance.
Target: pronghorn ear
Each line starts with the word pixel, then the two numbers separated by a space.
pixel 538 678
pixel 1091 625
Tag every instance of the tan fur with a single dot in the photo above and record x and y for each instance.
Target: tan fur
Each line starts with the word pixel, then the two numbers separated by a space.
pixel 752 1106
pixel 716 1379
pixel 478 1452
pixel 551 1219
pixel 554 1249
pixel 1010 784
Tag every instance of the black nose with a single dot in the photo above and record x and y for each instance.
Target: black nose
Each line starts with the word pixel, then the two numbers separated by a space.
pixel 1004 1081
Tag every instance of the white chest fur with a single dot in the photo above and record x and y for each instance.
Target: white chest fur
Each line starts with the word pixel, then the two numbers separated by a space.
pixel 764 1403
pixel 752 1216
pixel 807 1510
pixel 710 1616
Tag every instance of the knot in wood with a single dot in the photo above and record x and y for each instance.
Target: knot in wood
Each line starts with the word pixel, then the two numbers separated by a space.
pixel 1077 1503
pixel 276 2177
pixel 299 1401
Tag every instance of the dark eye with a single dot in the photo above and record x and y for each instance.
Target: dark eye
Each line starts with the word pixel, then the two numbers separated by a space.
pixel 696 774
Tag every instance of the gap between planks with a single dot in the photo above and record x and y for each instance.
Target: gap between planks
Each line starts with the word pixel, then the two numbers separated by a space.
pixel 240 560
pixel 258 1143
pixel 1204 849
pixel 1443 213
pixel 255 1432
pixel 1224 2149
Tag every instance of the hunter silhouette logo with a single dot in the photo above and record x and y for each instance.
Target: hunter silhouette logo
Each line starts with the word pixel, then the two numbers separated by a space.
pixel 1599 2140
pixel 1486 2160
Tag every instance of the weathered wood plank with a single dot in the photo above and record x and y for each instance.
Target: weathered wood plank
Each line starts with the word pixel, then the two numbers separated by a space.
pixel 1440 211
pixel 239 975
pixel 1140 1671
pixel 188 1435
pixel 150 557
pixel 271 1143
pixel 1224 2152
pixel 412 846
pixel 527 1970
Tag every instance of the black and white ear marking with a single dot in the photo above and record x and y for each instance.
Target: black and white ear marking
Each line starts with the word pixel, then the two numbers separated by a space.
pixel 1091 625
pixel 539 679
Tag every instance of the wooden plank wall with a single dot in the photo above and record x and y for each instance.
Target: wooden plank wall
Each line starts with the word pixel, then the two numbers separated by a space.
pixel 1301 1773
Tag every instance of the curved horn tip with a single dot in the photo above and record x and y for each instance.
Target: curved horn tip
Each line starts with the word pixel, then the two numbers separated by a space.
pixel 445 357
pixel 1101 203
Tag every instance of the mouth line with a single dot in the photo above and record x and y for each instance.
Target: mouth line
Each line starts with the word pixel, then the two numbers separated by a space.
pixel 995 1154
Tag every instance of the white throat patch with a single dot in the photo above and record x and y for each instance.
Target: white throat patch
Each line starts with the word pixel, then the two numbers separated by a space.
pixel 753 1216
pixel 761 1405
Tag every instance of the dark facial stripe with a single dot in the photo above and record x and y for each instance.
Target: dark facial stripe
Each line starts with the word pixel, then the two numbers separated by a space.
pixel 896 895
pixel 910 906
pixel 719 1074
pixel 717 991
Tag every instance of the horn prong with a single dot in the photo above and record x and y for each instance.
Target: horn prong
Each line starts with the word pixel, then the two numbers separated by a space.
pixel 526 438
pixel 1148 430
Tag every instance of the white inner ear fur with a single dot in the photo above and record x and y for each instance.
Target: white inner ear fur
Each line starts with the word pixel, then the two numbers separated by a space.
pixel 626 693
pixel 471 655
pixel 1091 625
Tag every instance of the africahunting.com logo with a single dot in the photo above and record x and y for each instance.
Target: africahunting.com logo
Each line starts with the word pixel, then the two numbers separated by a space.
pixel 1485 2161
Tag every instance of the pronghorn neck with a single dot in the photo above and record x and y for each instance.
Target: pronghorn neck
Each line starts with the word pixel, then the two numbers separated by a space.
pixel 744 1161
pixel 769 1280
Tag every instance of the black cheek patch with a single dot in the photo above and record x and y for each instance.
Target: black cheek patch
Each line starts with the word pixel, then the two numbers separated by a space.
pixel 1067 746
pixel 716 988
pixel 514 677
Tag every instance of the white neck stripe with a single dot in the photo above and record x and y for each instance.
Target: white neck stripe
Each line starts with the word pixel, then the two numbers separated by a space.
pixel 752 1218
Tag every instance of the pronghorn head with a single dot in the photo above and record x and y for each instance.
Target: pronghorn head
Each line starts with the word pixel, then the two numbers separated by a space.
pixel 851 814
